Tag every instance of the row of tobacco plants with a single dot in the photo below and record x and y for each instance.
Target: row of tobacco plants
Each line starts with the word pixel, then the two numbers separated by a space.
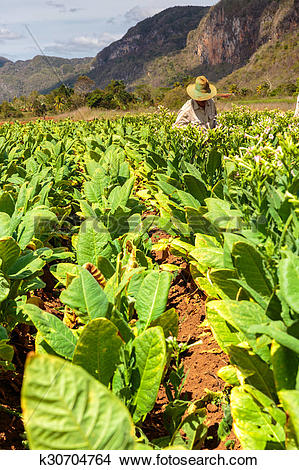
pixel 75 199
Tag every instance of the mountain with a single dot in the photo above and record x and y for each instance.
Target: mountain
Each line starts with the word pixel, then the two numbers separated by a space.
pixel 226 38
pixel 158 36
pixel 4 61
pixel 275 63
pixel 41 73
pixel 235 41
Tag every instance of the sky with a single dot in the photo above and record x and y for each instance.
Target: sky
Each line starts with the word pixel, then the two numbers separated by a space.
pixel 72 28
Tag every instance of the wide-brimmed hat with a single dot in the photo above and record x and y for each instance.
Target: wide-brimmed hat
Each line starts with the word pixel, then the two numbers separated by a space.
pixel 201 90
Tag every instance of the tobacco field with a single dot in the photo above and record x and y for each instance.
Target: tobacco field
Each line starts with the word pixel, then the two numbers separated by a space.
pixel 102 223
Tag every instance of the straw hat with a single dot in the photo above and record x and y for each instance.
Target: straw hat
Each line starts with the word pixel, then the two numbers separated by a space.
pixel 201 90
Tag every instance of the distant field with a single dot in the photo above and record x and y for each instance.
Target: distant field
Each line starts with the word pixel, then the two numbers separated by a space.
pixel 257 104
pixel 87 114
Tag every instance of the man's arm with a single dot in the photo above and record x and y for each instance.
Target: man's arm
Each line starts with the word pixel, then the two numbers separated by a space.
pixel 185 115
pixel 183 119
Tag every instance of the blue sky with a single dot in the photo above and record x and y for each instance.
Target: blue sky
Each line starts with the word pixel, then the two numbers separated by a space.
pixel 72 28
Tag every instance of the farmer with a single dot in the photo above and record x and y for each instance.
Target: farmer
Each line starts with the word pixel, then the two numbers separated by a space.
pixel 200 111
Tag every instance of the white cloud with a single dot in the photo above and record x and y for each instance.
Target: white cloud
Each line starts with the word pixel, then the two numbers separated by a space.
pixel 54 4
pixel 88 44
pixel 137 14
pixel 133 16
pixel 61 7
pixel 6 35
pixel 92 41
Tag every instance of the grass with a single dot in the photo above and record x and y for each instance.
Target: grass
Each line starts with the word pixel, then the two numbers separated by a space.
pixel 259 104
pixel 88 114
pixel 270 99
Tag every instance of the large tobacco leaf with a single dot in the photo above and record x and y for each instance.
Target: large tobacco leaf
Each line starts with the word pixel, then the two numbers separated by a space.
pixel 255 372
pixel 258 422
pixel 9 252
pixel 149 351
pixel 97 349
pixel 65 408
pixel 289 280
pixel 25 266
pixel 285 367
pixel 240 316
pixel 93 241
pixel 85 295
pixel 5 229
pixel 152 297
pixel 52 330
pixel 249 265
pixel 4 288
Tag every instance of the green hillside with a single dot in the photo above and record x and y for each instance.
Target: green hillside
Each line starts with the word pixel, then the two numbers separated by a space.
pixel 275 63
pixel 42 73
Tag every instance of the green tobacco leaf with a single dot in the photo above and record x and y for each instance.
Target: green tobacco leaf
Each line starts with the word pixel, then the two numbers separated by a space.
pixel 38 223
pixel 196 187
pixel 187 200
pixel 26 266
pixel 206 286
pixel 93 240
pixel 208 257
pixel 7 203
pixel 120 195
pixel 274 332
pixel 258 422
pixel 224 333
pixel 32 284
pixel 249 264
pixel 62 271
pixel 5 229
pixel 221 215
pixel 3 333
pixel 122 325
pixel 135 282
pixel 87 210
pixel 229 375
pixel 252 294
pixel 213 162
pixel 42 347
pixel 229 240
pixel 178 247
pixel 95 189
pixel 290 402
pixel 169 322
pixel 53 330
pixel 203 241
pixel 9 252
pixel 6 351
pixel 65 408
pixel 86 296
pixel 285 367
pixel 4 288
pixel 255 372
pixel 149 350
pixel 194 430
pixel 288 279
pixel 97 349
pixel 197 222
pixel 221 279
pixel 152 297
pixel 105 266
pixel 241 315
